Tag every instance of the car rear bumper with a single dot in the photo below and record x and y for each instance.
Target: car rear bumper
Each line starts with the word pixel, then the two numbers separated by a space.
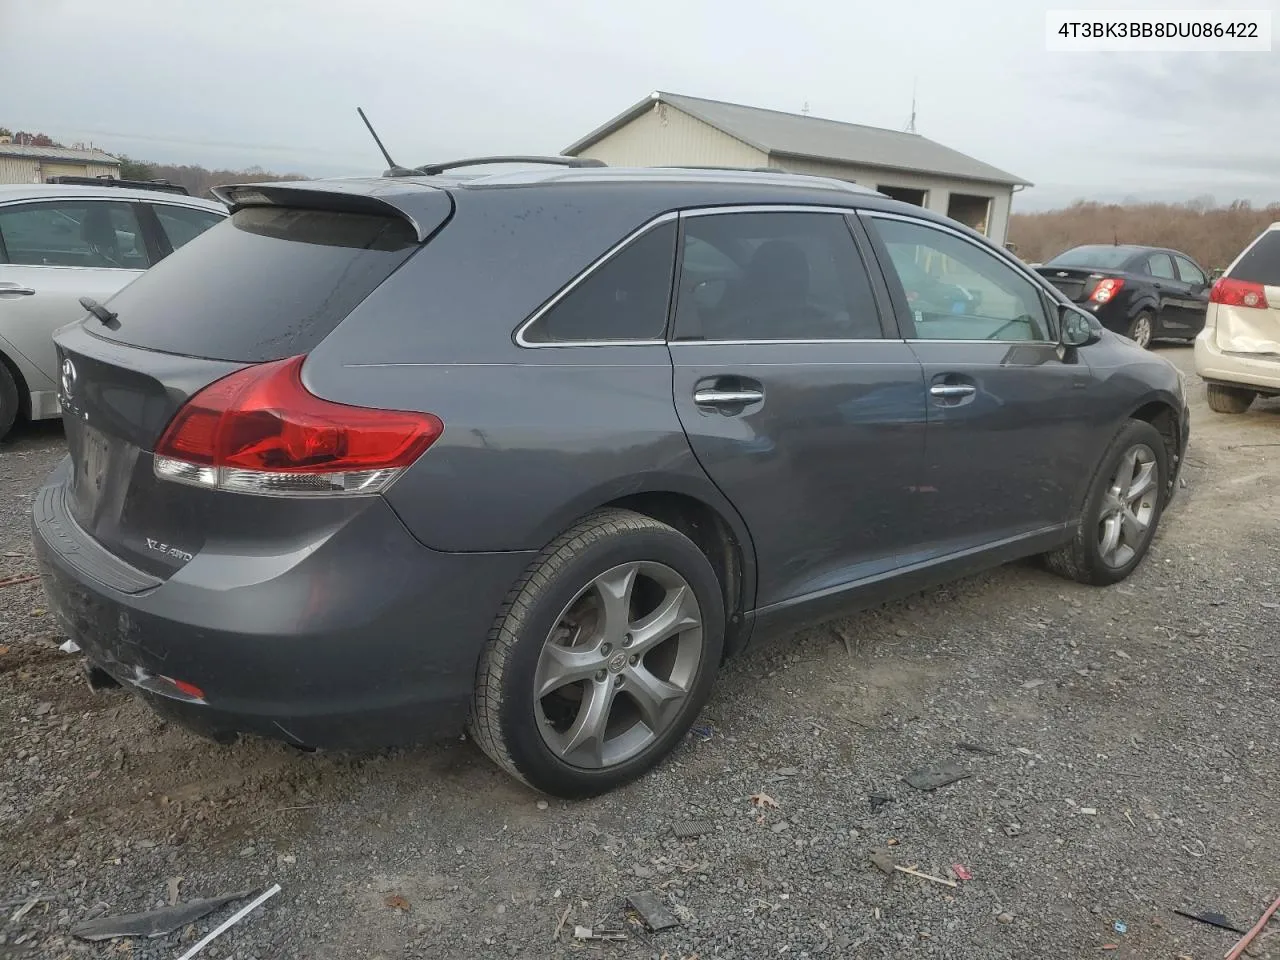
pixel 366 639
pixel 1260 372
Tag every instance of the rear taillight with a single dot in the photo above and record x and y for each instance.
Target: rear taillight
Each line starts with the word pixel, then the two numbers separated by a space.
pixel 1106 289
pixel 261 431
pixel 1238 293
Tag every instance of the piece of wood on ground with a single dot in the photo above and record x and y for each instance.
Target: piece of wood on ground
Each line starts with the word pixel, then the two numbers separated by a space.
pixel 925 876
pixel 1258 927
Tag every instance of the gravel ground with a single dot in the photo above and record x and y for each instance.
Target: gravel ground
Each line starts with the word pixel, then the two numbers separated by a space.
pixel 1125 765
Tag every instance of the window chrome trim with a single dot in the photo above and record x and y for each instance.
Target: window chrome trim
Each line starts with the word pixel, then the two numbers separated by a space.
pixel 769 208
pixel 802 342
pixel 572 285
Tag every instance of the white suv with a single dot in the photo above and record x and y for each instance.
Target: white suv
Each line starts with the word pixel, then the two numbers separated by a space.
pixel 60 242
pixel 1238 352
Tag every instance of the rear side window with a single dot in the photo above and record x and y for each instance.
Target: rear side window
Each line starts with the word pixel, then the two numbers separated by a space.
pixel 1159 265
pixel 773 276
pixel 624 299
pixel 1261 264
pixel 270 282
pixel 101 234
pixel 181 225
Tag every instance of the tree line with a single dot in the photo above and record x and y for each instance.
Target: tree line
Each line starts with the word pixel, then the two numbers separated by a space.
pixel 1212 235
pixel 198 180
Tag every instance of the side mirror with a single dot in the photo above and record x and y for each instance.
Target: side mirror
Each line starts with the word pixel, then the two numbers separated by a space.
pixel 1215 275
pixel 1076 329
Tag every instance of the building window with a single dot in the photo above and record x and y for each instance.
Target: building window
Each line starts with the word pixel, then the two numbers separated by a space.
pixel 919 198
pixel 971 210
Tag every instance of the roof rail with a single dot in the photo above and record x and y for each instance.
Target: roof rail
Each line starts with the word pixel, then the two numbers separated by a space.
pixel 432 169
pixel 692 166
pixel 164 186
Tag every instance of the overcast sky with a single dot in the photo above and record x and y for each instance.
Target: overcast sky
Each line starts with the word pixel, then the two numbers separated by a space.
pixel 276 82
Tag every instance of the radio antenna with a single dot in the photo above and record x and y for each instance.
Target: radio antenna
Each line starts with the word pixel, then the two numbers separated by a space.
pixel 393 168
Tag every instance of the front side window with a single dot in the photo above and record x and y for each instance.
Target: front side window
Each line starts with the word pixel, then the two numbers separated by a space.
pixel 181 225
pixel 957 291
pixel 626 298
pixel 1190 273
pixel 773 276
pixel 74 233
pixel 1159 265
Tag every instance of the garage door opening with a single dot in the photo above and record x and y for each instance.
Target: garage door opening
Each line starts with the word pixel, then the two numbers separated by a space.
pixel 905 194
pixel 970 210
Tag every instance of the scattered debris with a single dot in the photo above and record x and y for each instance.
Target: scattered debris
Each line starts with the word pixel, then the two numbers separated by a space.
pixel 1212 919
pixel 847 640
pixel 703 731
pixel 961 871
pixel 780 826
pixel 396 902
pixel 789 772
pixel 42 708
pixel 23 910
pixel 1110 946
pixel 15 580
pixel 968 747
pixel 231 921
pixel 564 918
pixel 763 800
pixel 1120 927
pixel 1032 684
pixel 542 804
pixel 1257 928
pixel 69 646
pixel 1012 829
pixel 883 860
pixel 692 829
pixel 931 778
pixel 153 923
pixel 589 933
pixel 1089 811
pixel 912 872
pixel 878 800
pixel 1005 917
pixel 652 911
pixel 172 885
pixel 1191 852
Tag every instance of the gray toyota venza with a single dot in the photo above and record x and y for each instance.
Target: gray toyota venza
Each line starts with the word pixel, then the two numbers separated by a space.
pixel 531 453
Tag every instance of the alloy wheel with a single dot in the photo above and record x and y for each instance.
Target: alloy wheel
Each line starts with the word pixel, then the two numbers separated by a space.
pixel 617 666
pixel 1128 506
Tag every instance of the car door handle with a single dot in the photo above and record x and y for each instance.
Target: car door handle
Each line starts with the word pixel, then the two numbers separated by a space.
pixel 709 396
pixel 952 391
pixel 12 289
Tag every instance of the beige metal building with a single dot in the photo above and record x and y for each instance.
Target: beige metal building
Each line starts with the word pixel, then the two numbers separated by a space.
pixel 669 129
pixel 23 164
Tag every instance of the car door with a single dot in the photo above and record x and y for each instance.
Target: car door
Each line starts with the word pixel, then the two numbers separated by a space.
pixel 798 397
pixel 1196 302
pixel 1170 294
pixel 1006 405
pixel 52 253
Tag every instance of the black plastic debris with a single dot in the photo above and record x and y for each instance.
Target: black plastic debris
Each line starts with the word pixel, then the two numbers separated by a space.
pixel 653 911
pixel 1212 919
pixel 153 923
pixel 691 829
pixel 933 777
pixel 878 800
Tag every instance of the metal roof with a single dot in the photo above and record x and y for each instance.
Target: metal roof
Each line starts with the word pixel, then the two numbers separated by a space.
pixel 56 191
pixel 796 135
pixel 57 153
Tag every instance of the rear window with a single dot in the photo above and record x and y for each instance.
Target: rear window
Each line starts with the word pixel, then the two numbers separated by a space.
pixel 268 283
pixel 1112 258
pixel 1262 263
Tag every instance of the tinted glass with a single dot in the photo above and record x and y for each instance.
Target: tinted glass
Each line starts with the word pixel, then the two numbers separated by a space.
pixel 625 298
pixel 74 233
pixel 1111 258
pixel 183 224
pixel 270 282
pixel 773 276
pixel 1159 265
pixel 1189 272
pixel 957 291
pixel 1262 262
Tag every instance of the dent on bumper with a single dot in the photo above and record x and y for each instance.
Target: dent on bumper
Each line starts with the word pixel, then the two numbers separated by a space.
pixel 1214 364
pixel 369 640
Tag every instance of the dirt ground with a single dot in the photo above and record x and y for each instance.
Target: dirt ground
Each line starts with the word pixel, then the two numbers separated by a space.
pixel 1122 761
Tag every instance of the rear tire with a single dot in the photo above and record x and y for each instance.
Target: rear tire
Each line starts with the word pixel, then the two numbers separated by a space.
pixel 9 400
pixel 1229 399
pixel 1122 510
pixel 582 628
pixel 1142 329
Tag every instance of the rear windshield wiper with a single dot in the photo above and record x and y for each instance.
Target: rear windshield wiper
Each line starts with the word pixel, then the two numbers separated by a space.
pixel 98 310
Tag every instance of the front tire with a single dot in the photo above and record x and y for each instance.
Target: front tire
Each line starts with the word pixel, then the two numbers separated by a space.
pixel 1121 512
pixel 1229 399
pixel 601 656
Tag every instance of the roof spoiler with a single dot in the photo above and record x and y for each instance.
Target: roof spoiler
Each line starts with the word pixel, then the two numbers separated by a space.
pixel 425 209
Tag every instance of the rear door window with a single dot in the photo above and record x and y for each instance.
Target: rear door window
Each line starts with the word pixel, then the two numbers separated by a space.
pixel 773 276
pixel 1261 264
pixel 1159 265
pixel 100 234
pixel 625 299
pixel 270 282
pixel 181 225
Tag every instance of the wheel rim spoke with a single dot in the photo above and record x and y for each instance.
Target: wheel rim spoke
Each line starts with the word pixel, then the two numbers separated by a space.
pixel 586 735
pixel 561 666
pixel 678 611
pixel 614 588
pixel 656 699
pixel 1133 526
pixel 1143 481
pixel 1111 529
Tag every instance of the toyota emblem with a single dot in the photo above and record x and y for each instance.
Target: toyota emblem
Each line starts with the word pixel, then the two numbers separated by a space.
pixel 68 378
